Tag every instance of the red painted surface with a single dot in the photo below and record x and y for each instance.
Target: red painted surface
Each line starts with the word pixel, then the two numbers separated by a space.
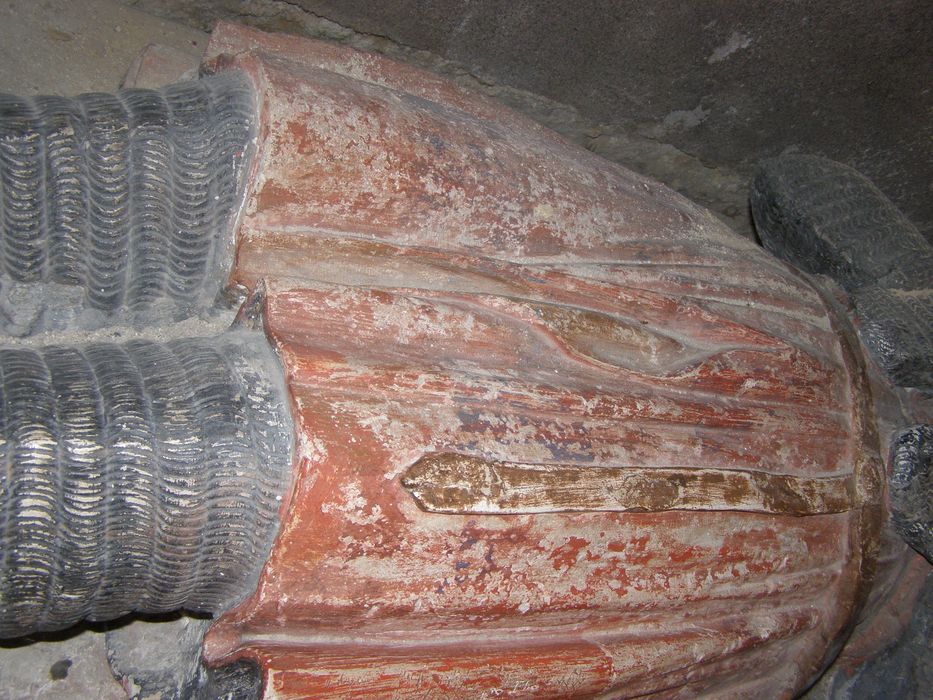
pixel 439 274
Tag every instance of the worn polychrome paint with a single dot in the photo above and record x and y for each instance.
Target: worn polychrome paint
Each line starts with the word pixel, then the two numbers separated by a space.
pixel 561 433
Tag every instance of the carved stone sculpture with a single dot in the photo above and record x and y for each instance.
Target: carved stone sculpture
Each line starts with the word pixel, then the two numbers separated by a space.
pixel 535 426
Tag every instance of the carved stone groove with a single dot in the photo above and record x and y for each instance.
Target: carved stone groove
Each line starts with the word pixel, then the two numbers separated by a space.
pixel 452 483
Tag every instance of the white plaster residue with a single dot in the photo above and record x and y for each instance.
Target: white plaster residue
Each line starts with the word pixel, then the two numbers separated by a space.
pixel 354 506
pixel 736 42
pixel 543 212
pixel 412 321
pixel 684 119
pixel 312 449
pixel 750 384
pixel 362 67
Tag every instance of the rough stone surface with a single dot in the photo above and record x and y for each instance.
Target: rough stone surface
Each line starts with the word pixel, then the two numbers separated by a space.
pixel 58 667
pixel 57 47
pixel 902 671
pixel 158 661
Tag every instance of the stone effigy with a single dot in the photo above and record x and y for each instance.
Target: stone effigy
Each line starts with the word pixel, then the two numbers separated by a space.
pixel 546 428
